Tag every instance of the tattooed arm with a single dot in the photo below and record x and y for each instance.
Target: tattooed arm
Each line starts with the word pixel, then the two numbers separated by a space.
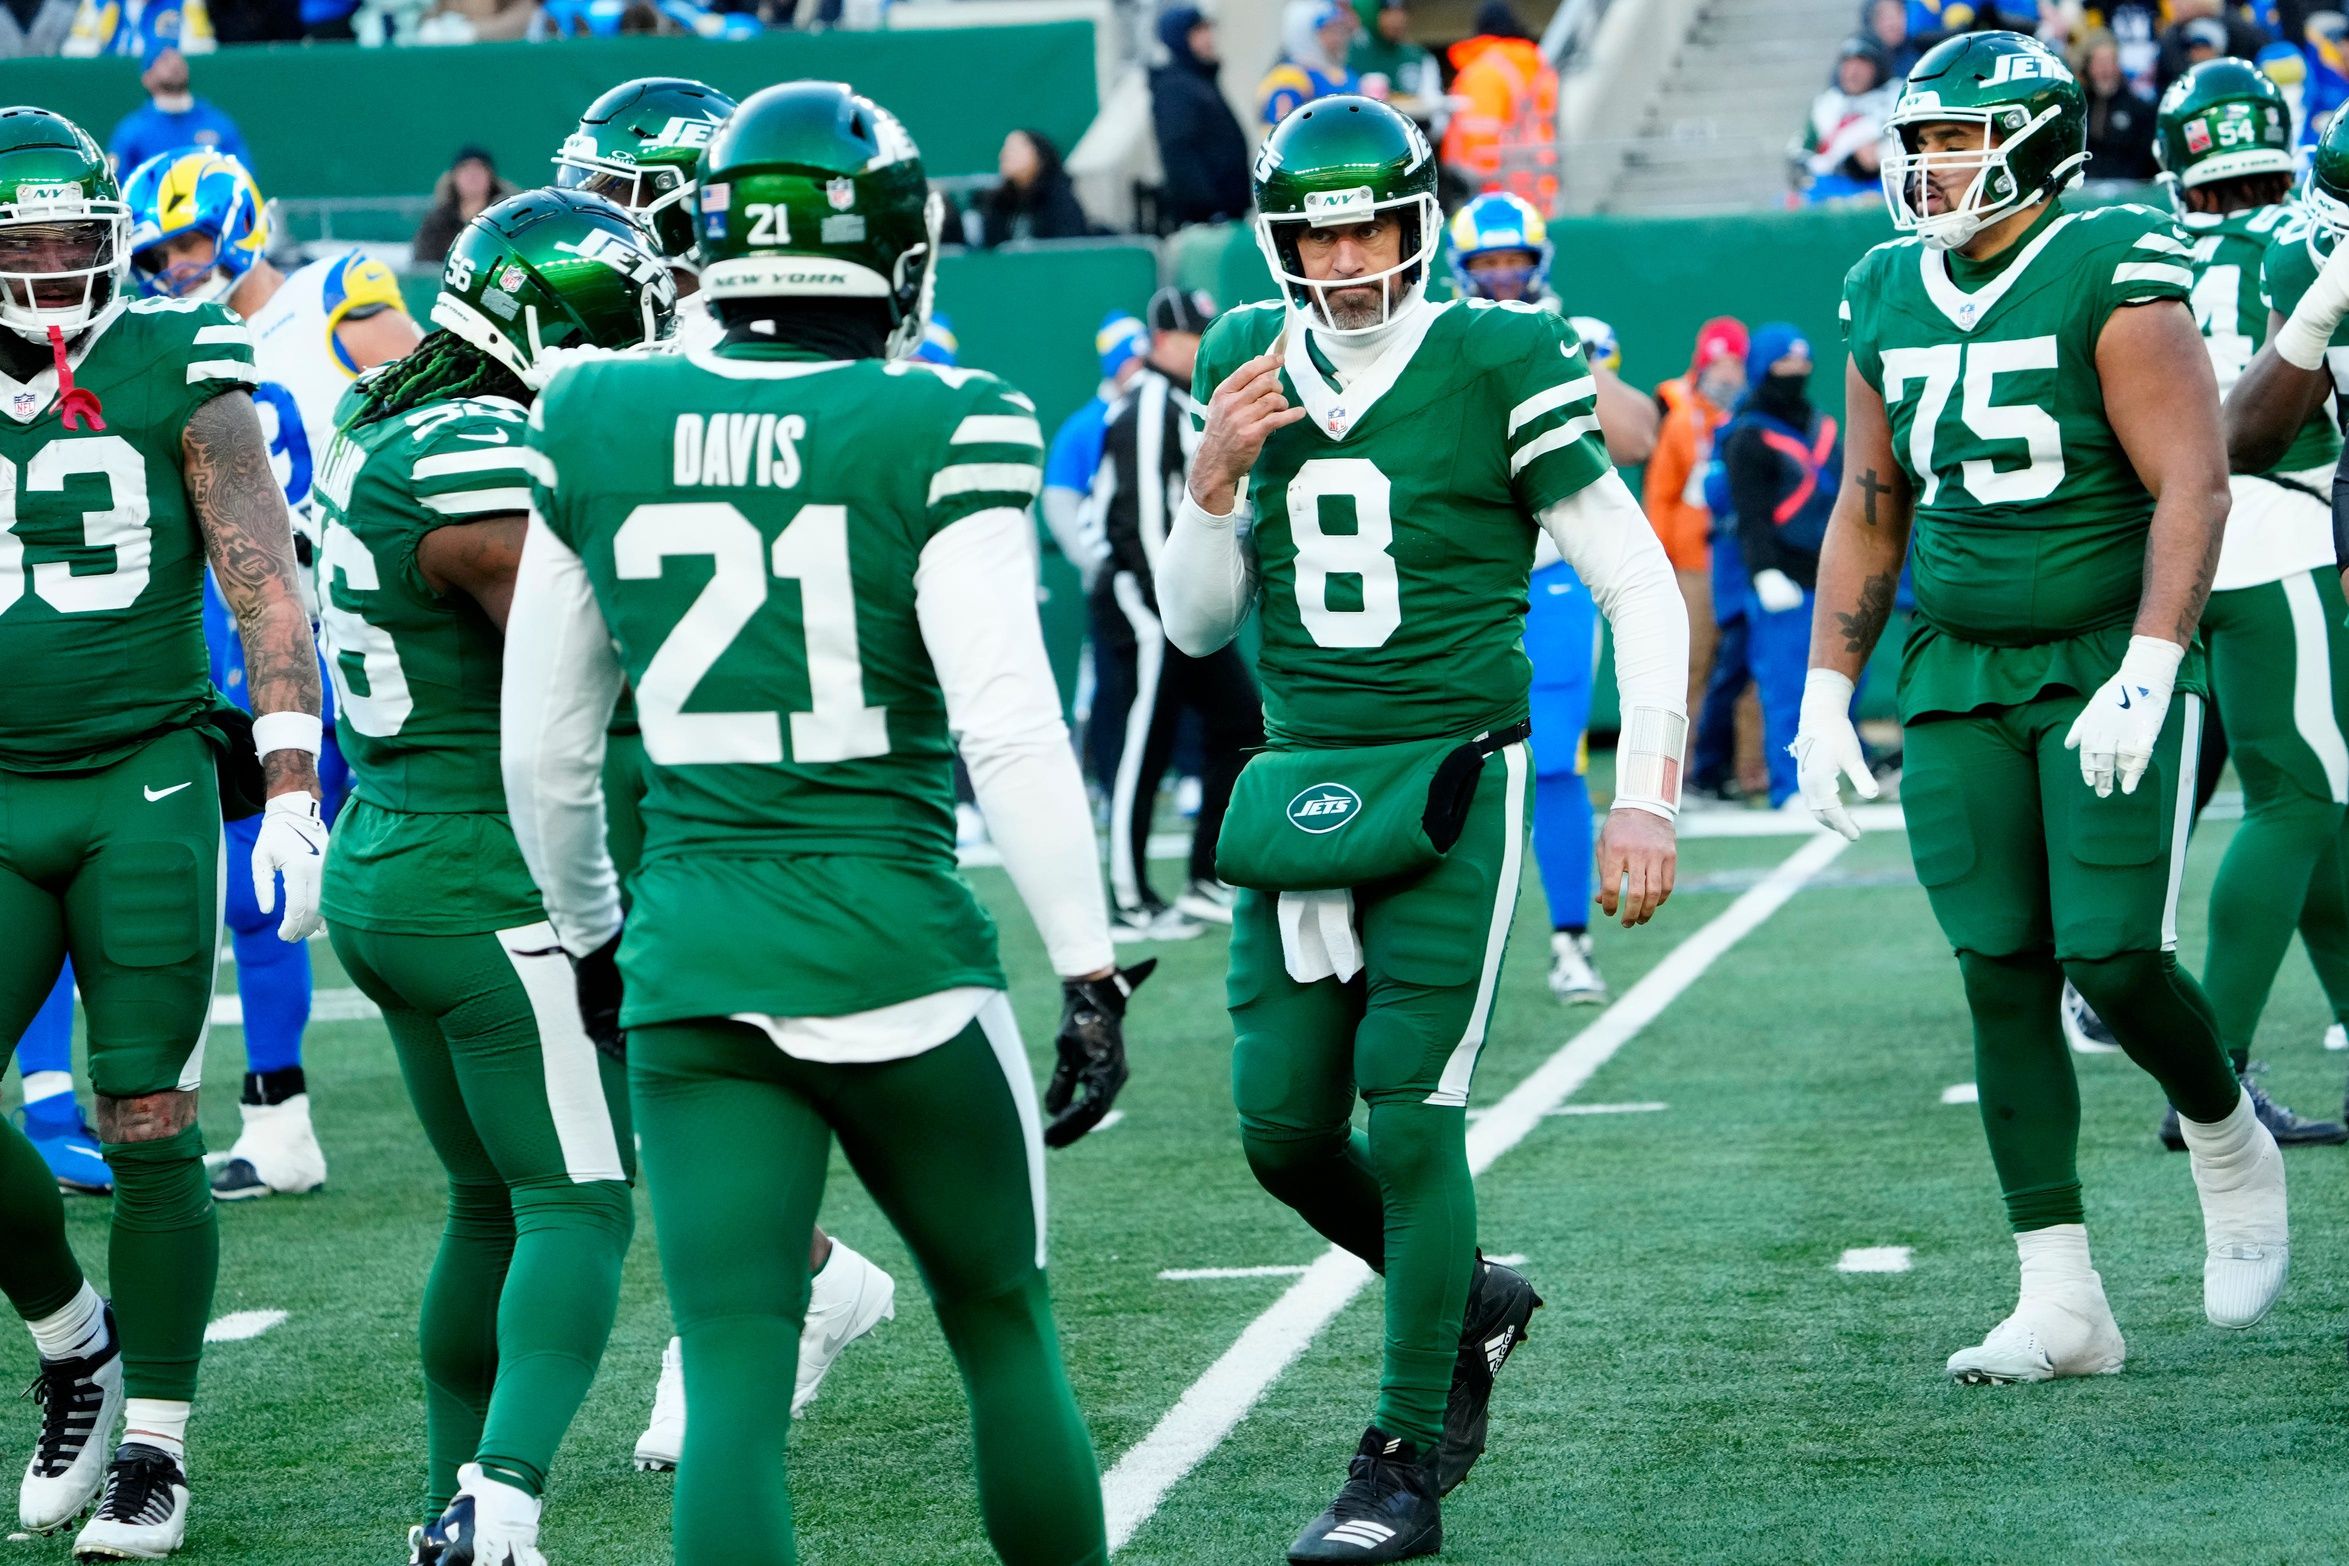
pixel 250 539
pixel 2161 398
pixel 1867 537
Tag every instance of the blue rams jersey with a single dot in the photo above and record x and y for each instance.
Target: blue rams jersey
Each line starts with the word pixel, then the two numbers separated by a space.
pixel 1076 447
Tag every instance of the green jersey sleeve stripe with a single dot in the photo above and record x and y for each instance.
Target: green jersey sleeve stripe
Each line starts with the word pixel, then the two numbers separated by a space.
pixel 2163 243
pixel 2152 272
pixel 477 502
pixel 539 466
pixel 998 429
pixel 1564 435
pixel 238 370
pixel 1550 399
pixel 226 335
pixel 504 459
pixel 1020 478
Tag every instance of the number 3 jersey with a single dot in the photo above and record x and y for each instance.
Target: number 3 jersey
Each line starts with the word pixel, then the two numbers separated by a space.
pixel 2028 544
pixel 752 521
pixel 1394 525
pixel 423 845
pixel 101 553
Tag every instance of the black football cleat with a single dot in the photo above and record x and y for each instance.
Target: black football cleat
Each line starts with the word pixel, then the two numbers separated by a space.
pixel 1387 1511
pixel 1499 1306
pixel 2288 1126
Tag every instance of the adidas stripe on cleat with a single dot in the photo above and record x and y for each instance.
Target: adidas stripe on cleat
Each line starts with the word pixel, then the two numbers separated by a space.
pixel 1387 1511
pixel 144 1515
pixel 1499 1307
pixel 81 1402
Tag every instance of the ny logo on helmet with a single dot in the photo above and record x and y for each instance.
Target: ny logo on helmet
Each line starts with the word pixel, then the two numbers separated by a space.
pixel 2027 65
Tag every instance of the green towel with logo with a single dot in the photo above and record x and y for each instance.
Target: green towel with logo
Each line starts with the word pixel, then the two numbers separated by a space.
pixel 1316 820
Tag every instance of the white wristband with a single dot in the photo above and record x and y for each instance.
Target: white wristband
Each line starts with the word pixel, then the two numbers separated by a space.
pixel 1647 760
pixel 288 731
pixel 2302 342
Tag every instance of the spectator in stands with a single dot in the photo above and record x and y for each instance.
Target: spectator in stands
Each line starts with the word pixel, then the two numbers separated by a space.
pixel 1694 405
pixel 1035 199
pixel 135 29
pixel 1887 22
pixel 30 29
pixel 469 184
pixel 1842 143
pixel 2203 30
pixel 1394 67
pixel 1504 129
pixel 172 117
pixel 1200 144
pixel 2120 117
pixel 1315 37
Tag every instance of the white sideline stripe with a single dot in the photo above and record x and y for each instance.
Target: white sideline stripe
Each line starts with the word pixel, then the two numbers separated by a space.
pixel 326 1005
pixel 1874 1258
pixel 1202 1274
pixel 1608 1109
pixel 238 1325
pixel 1961 1093
pixel 1221 1398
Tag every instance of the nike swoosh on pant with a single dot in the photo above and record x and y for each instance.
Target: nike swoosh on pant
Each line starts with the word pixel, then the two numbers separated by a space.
pixel 154 794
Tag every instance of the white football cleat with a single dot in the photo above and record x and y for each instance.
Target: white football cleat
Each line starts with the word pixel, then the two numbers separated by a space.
pixel 2337 1037
pixel 81 1403
pixel 490 1523
pixel 663 1440
pixel 277 1153
pixel 2246 1231
pixel 144 1515
pixel 849 1298
pixel 2068 1331
pixel 1574 978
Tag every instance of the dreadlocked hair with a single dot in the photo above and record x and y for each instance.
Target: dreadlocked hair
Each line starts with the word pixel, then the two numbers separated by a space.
pixel 440 367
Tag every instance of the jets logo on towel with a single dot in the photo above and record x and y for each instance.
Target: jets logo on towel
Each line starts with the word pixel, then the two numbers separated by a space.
pixel 1324 807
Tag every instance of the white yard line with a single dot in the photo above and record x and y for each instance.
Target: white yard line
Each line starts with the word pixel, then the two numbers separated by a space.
pixel 339 1004
pixel 1221 1398
pixel 1874 1258
pixel 238 1325
pixel 1608 1109
pixel 1961 1093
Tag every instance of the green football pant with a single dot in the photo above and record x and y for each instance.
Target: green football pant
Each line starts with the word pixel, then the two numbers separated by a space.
pixel 2279 664
pixel 624 803
pixel 531 1123
pixel 736 1138
pixel 2034 879
pixel 1404 1035
pixel 121 867
pixel 2324 925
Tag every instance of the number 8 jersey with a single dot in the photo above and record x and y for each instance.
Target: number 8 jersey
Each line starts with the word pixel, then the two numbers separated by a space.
pixel 2028 545
pixel 1394 525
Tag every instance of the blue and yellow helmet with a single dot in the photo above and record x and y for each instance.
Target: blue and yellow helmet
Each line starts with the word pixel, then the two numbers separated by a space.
pixel 1497 221
pixel 194 191
pixel 939 345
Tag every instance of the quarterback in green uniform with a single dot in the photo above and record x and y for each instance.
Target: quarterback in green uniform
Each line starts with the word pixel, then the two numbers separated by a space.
pixel 2034 427
pixel 640 145
pixel 811 562
pixel 131 456
pixel 423 494
pixel 2279 654
pixel 1396 460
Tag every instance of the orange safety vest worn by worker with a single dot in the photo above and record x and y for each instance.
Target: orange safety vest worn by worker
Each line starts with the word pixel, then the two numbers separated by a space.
pixel 1504 129
pixel 1673 486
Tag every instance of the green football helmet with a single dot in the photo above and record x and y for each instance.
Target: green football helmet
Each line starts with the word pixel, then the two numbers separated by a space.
pixel 2221 120
pixel 551 273
pixel 2325 198
pixel 2034 122
pixel 813 191
pixel 638 144
pixel 64 227
pixel 1338 161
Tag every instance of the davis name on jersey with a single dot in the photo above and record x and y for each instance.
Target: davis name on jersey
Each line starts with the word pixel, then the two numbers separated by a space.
pixel 102 561
pixel 753 521
pixel 304 370
pixel 1394 527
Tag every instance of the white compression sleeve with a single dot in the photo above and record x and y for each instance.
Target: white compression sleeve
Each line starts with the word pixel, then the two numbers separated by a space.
pixel 1602 533
pixel 975 596
pixel 1206 577
pixel 561 681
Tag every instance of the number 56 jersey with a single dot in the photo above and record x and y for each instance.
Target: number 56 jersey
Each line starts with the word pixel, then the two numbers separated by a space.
pixel 1394 528
pixel 752 523
pixel 2028 544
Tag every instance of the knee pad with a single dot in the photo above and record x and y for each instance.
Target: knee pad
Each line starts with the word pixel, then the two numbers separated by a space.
pixel 607 1205
pixel 2114 984
pixel 160 1184
pixel 480 1209
pixel 2015 987
pixel 1275 1148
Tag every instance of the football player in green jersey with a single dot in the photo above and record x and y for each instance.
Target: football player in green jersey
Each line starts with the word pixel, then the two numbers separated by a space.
pixel 132 456
pixel 1398 459
pixel 2279 654
pixel 812 563
pixel 2034 427
pixel 640 145
pixel 423 494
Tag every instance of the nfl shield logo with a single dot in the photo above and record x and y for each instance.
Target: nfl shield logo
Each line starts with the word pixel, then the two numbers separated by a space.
pixel 2197 136
pixel 512 281
pixel 23 404
pixel 841 193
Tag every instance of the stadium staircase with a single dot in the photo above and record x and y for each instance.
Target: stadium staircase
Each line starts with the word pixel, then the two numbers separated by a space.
pixel 1712 134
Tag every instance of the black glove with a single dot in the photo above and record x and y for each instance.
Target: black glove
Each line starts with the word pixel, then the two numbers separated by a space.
pixel 1092 1045
pixel 597 976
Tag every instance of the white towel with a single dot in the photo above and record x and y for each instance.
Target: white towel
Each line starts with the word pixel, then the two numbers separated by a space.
pixel 1317 936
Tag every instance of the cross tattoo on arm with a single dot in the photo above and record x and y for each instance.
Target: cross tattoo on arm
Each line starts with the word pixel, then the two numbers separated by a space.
pixel 1871 487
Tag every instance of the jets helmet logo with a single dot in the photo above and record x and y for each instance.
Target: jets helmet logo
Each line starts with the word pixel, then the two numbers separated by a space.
pixel 686 131
pixel 639 266
pixel 2035 64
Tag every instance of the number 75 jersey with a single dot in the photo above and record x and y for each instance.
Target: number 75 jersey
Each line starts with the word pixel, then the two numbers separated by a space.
pixel 1394 525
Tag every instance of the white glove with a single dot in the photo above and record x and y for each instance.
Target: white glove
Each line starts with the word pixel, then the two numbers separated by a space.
pixel 1777 591
pixel 2303 338
pixel 1826 751
pixel 2116 731
pixel 292 844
